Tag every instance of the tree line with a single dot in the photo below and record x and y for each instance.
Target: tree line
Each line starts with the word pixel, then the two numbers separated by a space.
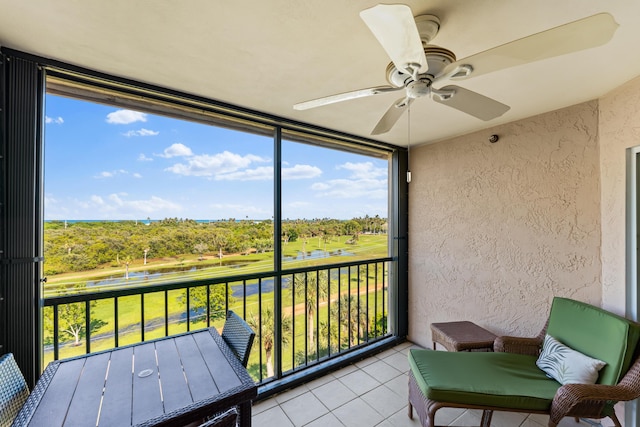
pixel 82 245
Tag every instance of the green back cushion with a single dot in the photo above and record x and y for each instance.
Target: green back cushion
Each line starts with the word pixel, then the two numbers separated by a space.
pixel 596 333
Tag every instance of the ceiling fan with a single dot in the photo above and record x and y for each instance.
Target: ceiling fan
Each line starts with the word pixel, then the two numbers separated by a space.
pixel 417 65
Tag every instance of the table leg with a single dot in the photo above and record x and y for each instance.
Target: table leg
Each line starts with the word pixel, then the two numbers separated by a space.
pixel 245 414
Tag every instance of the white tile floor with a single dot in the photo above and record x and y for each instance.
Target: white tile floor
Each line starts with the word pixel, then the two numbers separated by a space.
pixel 372 392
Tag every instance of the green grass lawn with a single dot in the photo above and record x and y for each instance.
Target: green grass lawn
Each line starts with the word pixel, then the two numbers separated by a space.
pixel 129 316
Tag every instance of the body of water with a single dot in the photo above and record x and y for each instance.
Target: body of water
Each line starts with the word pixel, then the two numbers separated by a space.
pixel 252 287
pixel 317 254
pixel 156 273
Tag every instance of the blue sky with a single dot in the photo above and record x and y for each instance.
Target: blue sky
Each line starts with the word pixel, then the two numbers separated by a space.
pixel 109 163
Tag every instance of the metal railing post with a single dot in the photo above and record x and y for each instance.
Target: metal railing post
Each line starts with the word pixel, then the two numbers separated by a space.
pixel 277 250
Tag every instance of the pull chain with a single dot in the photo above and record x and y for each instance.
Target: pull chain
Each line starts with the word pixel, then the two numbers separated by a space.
pixel 408 143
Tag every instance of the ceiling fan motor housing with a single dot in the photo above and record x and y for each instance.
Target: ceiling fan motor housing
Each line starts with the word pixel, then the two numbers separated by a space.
pixel 437 59
pixel 428 26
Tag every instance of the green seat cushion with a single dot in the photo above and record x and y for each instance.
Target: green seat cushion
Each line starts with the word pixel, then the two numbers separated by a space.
pixel 501 380
pixel 597 333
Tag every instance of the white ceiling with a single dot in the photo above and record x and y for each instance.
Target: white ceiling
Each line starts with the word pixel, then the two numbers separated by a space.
pixel 268 55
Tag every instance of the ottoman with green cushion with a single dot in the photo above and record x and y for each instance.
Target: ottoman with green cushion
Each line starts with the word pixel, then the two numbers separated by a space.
pixel 494 379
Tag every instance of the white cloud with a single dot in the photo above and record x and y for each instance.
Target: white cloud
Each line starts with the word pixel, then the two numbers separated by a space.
pixel 365 180
pixel 97 200
pixel 123 117
pixel 301 172
pixel 350 189
pixel 264 173
pixel 50 199
pixel 114 206
pixel 176 150
pixel 141 132
pixel 117 203
pixel 114 173
pixel 363 170
pixel 56 208
pixel 213 165
pixel 143 158
pixel 261 173
pixel 239 210
pixel 320 186
pixel 55 120
pixel 299 204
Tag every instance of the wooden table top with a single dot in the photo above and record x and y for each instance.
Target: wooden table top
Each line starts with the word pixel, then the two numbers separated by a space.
pixel 170 381
pixel 463 335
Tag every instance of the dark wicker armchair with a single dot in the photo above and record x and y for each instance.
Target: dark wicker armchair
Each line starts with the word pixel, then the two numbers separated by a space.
pixel 13 389
pixel 570 400
pixel 239 336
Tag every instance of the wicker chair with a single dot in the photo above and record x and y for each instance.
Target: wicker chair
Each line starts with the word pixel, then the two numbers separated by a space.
pixel 13 390
pixel 579 400
pixel 239 336
pixel 226 419
pixel 570 400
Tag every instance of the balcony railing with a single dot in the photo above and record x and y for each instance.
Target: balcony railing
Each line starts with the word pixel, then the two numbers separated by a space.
pixel 324 311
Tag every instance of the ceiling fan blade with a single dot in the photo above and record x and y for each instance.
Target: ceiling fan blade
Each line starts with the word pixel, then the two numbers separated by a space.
pixel 395 28
pixel 470 102
pixel 392 115
pixel 578 35
pixel 344 97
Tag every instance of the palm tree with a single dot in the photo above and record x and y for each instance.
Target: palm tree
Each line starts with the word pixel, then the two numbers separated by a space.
pixel 127 260
pixel 353 318
pixel 220 239
pixel 328 337
pixel 264 326
pixel 311 288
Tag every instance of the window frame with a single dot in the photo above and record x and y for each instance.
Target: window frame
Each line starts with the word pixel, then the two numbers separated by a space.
pixel 23 77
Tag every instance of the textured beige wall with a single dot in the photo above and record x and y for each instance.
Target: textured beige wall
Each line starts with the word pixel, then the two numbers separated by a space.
pixel 497 230
pixel 619 129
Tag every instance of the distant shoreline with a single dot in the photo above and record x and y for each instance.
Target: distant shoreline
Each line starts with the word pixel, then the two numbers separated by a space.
pixel 148 221
pixel 200 221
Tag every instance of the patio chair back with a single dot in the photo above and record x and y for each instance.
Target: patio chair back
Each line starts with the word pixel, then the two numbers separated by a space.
pixel 13 390
pixel 239 336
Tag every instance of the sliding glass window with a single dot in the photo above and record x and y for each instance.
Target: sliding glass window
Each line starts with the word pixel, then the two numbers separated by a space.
pixel 160 217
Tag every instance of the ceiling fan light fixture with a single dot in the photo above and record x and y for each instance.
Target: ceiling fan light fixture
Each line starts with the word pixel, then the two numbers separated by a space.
pixel 419 88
